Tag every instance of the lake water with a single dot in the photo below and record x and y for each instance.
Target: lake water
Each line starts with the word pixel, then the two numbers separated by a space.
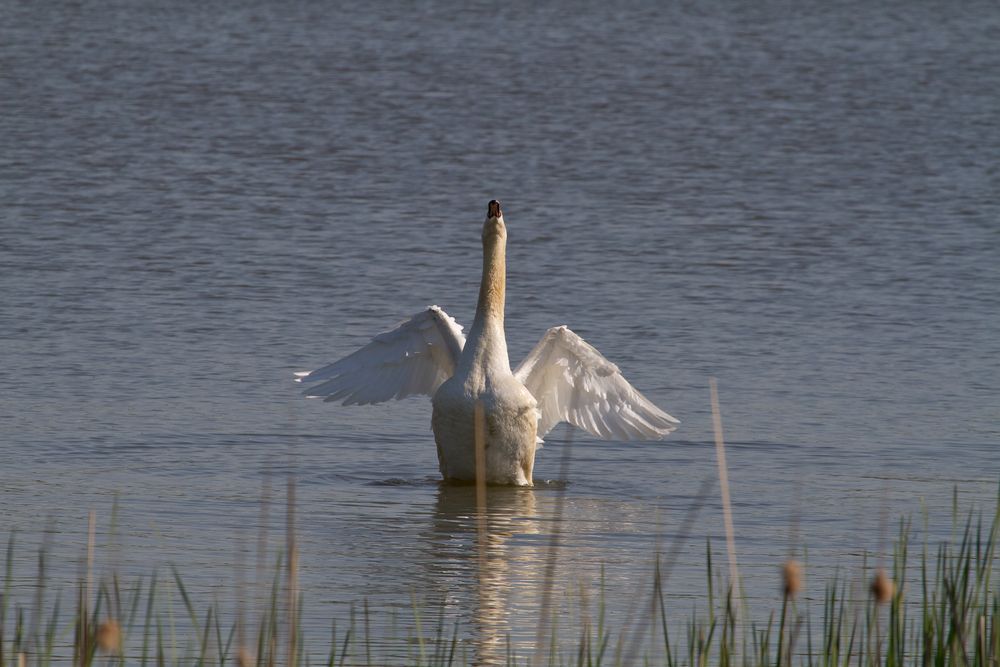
pixel 802 200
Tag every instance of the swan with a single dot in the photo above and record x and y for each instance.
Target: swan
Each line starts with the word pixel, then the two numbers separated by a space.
pixel 562 379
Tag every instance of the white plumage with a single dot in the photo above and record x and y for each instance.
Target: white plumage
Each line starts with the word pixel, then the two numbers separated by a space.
pixel 414 358
pixel 563 379
pixel 574 383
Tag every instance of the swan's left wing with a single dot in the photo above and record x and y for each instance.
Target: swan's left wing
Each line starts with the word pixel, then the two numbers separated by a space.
pixel 414 358
pixel 573 382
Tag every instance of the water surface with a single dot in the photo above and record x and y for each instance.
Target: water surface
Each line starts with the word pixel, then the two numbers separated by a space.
pixel 800 200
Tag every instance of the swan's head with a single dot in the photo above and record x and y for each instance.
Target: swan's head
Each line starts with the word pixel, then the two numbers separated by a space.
pixel 494 225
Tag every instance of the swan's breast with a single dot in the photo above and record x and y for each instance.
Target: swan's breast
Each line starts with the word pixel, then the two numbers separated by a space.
pixel 511 422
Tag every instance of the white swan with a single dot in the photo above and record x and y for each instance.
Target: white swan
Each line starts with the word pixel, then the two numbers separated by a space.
pixel 562 379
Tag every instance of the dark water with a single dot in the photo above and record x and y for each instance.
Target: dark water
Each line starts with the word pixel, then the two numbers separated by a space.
pixel 196 201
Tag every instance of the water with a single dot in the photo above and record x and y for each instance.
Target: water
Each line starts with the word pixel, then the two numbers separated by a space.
pixel 198 201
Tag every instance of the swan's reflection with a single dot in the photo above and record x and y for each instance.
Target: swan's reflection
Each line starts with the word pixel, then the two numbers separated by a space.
pixel 484 561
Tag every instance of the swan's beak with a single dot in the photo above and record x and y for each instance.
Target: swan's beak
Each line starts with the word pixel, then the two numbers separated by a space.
pixel 494 226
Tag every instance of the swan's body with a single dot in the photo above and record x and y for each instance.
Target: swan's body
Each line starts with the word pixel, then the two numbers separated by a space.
pixel 562 379
pixel 484 375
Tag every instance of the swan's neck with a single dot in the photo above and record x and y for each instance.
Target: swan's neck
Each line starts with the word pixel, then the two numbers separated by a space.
pixel 486 349
pixel 493 288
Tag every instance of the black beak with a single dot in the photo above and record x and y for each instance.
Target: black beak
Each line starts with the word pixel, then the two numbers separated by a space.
pixel 493 209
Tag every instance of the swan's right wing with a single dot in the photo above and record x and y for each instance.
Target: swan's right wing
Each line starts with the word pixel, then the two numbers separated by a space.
pixel 414 358
pixel 574 383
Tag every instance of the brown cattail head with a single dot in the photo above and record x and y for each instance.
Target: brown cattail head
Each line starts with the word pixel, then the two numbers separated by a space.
pixel 244 658
pixel 882 587
pixel 791 578
pixel 109 636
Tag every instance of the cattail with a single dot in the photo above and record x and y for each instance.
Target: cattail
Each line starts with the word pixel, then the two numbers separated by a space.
pixel 22 660
pixel 882 587
pixel 791 578
pixel 109 636
pixel 244 658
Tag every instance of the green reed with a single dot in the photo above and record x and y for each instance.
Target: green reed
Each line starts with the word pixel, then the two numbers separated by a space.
pixel 947 615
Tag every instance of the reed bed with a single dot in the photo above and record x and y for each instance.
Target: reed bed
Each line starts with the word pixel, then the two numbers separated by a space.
pixel 941 611
pixel 938 609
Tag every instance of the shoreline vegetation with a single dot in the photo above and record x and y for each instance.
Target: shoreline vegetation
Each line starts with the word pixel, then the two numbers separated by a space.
pixel 939 609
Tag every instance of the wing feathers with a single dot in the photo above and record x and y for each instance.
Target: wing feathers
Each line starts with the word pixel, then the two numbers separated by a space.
pixel 414 358
pixel 573 382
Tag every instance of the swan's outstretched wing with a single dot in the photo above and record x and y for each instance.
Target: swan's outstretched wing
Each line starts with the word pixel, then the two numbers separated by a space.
pixel 414 358
pixel 573 382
